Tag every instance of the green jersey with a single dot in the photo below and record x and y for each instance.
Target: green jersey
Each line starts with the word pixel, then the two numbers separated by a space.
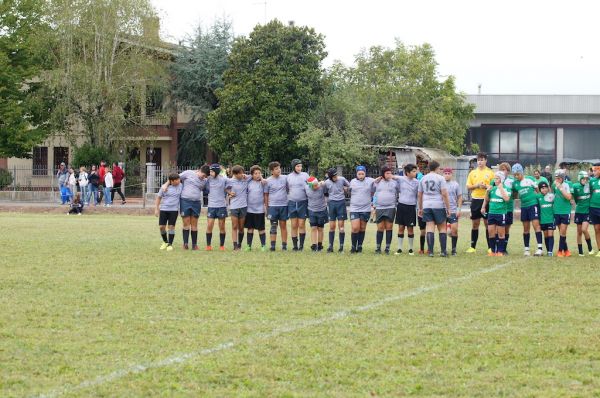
pixel 595 192
pixel 581 194
pixel 561 204
pixel 526 190
pixel 497 204
pixel 546 208
pixel 541 179
pixel 508 184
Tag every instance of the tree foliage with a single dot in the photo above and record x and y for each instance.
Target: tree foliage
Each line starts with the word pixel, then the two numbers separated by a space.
pixel 273 84
pixel 24 99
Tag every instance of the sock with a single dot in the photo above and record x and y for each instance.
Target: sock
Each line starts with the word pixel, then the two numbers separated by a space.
pixel 501 245
pixel 249 238
pixel 564 240
pixel 547 242
pixel 240 238
pixel 430 241
pixel 354 240
pixel 389 234
pixel 222 239
pixel 263 238
pixel 589 244
pixel 492 244
pixel 411 241
pixel 320 246
pixel 331 238
pixel 302 238
pixel 497 240
pixel 342 238
pixel 550 244
pixel 313 247
pixel 400 241
pixel 171 237
pixel 186 236
pixel 487 235
pixel 379 239
pixel 561 243
pixel 194 238
pixel 295 242
pixel 454 242
pixel 580 248
pixel 526 240
pixel 273 244
pixel 208 238
pixel 538 238
pixel 283 245
pixel 474 237
pixel 361 238
pixel 506 239
pixel 164 236
pixel 422 243
pixel 443 241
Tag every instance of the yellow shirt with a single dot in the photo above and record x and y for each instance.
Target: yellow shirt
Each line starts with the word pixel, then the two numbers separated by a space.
pixel 477 176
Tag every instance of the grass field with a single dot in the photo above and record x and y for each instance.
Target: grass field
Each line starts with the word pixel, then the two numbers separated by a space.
pixel 90 307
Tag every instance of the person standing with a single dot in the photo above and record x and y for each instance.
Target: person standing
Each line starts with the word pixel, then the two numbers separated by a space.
pixel 167 210
pixel 547 174
pixel 108 185
pixel 406 209
pixel 93 185
pixel 524 188
pixel 237 189
pixel 498 199
pixel 83 185
pixel 386 190
pixel 455 199
pixel 297 204
pixel 581 194
pixel 255 219
pixel 361 193
pixel 118 176
pixel 317 212
pixel 277 204
pixel 434 207
pixel 194 183
pixel 217 206
pixel 336 188
pixel 546 202
pixel 101 174
pixel 62 178
pixel 478 182
pixel 72 184
pixel 595 203
pixel 563 194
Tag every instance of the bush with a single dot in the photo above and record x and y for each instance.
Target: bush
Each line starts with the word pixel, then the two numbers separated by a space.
pixel 5 178
pixel 88 155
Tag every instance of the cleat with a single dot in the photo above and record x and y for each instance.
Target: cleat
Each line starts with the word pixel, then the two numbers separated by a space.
pixel 399 251
pixel 411 252
pixel 527 253
pixel 387 252
pixel 560 253
pixel 186 246
pixel 567 253
pixel 443 254
pixel 330 249
pixel 341 249
pixel 300 248
pixel 169 248
pixel 195 247
pixel 248 249
pixel 295 249
pixel 549 254
pixel 591 253
pixel 581 255
pixel 353 250
pixel 272 249
pixel 538 253
pixel 421 252
pixel 208 248
pixel 359 250
pixel 490 254
pixel 222 248
pixel 499 254
pixel 598 254
pixel 453 252
pixel 489 250
pixel 164 246
pixel 377 251
pixel 471 250
pixel 283 248
pixel 430 254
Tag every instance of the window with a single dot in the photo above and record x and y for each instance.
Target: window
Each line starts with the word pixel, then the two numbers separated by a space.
pixel 154 101
pixel 581 143
pixel 156 158
pixel 61 154
pixel 40 161
pixel 509 141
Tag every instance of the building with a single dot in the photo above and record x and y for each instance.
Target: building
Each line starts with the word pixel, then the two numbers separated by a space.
pixel 536 129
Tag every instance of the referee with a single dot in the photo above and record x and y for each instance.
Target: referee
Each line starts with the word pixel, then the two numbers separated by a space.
pixel 478 181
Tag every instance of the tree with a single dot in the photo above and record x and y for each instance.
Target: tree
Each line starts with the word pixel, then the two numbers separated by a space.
pixel 24 99
pixel 400 99
pixel 197 73
pixel 109 70
pixel 273 84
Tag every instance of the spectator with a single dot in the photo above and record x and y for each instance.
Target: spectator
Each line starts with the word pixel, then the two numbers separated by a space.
pixel 101 173
pixel 547 173
pixel 83 185
pixel 94 183
pixel 72 183
pixel 62 176
pixel 118 176
pixel 76 206
pixel 108 185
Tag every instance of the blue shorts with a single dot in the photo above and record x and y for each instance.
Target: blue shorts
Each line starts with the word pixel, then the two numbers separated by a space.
pixel 436 215
pixel 580 218
pixel 337 210
pixel 317 218
pixel 562 219
pixel 298 209
pixel 239 212
pixel 595 215
pixel 360 215
pixel 452 219
pixel 277 213
pixel 497 219
pixel 217 212
pixel 548 227
pixel 530 213
pixel 509 218
pixel 190 207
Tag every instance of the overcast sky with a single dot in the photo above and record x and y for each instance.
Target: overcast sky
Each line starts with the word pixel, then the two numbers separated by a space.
pixel 509 46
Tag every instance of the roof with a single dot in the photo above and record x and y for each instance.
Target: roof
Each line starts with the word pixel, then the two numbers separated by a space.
pixel 535 104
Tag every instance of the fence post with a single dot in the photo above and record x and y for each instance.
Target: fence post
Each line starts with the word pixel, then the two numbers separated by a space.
pixel 143 195
pixel 14 194
pixel 150 176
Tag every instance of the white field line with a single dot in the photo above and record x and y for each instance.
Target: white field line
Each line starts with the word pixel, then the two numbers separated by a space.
pixel 253 339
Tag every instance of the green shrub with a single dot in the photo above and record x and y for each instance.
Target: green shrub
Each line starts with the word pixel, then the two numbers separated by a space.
pixel 87 155
pixel 5 178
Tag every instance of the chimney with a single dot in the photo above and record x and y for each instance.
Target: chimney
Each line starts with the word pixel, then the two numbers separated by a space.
pixel 151 27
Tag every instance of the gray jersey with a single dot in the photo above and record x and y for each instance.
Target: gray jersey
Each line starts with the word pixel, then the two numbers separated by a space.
pixel 192 185
pixel 408 190
pixel 216 191
pixel 316 198
pixel 454 191
pixel 360 195
pixel 277 190
pixel 296 183
pixel 240 188
pixel 386 192
pixel 336 189
pixel 169 200
pixel 256 198
pixel 431 185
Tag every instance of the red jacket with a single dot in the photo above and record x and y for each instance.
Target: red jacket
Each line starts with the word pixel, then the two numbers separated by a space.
pixel 117 174
pixel 102 173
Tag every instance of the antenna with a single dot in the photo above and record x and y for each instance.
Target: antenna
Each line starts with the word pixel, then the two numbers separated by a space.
pixel 479 89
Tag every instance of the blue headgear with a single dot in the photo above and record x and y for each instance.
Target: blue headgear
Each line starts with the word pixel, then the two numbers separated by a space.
pixel 361 168
pixel 216 168
pixel 517 168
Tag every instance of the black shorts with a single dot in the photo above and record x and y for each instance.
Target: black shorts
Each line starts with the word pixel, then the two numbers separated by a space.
pixel 406 215
pixel 422 223
pixel 255 221
pixel 167 217
pixel 476 205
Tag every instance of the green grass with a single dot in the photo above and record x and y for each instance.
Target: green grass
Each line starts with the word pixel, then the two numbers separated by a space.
pixel 84 297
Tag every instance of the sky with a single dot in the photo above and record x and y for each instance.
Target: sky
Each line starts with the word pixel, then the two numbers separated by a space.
pixel 507 47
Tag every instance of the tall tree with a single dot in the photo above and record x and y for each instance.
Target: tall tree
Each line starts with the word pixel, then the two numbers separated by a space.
pixel 197 73
pixel 110 67
pixel 24 99
pixel 273 84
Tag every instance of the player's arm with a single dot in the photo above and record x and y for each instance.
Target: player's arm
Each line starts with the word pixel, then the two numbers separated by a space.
pixel 420 201
pixel 503 192
pixel 157 205
pixel 471 185
pixel 459 202
pixel 446 200
pixel 485 201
